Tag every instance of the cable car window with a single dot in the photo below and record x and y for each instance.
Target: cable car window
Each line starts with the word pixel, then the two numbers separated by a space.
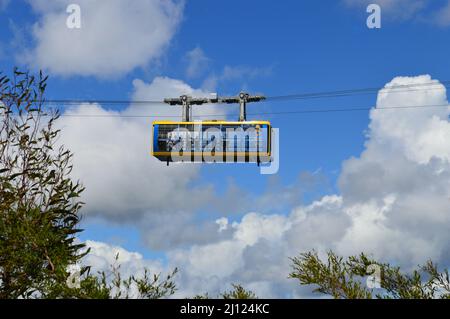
pixel 232 141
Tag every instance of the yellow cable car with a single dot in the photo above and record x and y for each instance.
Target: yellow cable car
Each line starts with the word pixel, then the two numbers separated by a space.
pixel 212 141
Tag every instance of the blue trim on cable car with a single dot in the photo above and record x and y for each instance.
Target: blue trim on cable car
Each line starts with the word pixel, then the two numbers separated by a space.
pixel 155 137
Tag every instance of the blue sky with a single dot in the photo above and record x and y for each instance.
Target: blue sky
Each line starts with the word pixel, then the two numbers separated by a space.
pixel 289 48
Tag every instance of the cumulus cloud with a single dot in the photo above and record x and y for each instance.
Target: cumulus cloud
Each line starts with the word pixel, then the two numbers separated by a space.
pixel 103 256
pixel 115 37
pixel 112 155
pixel 162 87
pixel 256 253
pixel 398 190
pixel 124 183
pixel 112 159
pixel 393 204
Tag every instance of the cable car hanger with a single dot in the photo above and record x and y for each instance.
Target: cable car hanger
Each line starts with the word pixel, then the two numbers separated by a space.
pixel 186 101
pixel 212 140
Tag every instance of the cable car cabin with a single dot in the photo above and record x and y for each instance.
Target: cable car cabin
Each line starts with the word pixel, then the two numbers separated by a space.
pixel 212 141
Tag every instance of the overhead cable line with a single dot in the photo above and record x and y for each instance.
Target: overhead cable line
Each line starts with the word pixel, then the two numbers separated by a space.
pixel 390 89
pixel 313 95
pixel 327 110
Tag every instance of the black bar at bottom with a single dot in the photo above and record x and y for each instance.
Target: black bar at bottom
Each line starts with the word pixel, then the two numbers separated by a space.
pixel 220 308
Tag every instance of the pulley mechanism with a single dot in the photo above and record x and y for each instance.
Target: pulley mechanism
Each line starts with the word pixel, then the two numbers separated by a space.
pixel 187 101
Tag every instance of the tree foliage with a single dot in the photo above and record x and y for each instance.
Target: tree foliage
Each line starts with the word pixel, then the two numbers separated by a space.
pixel 40 207
pixel 39 202
pixel 111 285
pixel 345 278
pixel 237 292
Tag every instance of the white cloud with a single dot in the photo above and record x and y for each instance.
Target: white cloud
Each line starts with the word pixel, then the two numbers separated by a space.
pixel 399 184
pixel 116 36
pixel 162 87
pixel 124 183
pixel 256 254
pixel 103 256
pixel 112 159
pixel 112 156
pixel 393 202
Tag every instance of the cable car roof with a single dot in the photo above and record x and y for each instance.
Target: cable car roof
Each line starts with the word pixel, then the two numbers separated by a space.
pixel 212 122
